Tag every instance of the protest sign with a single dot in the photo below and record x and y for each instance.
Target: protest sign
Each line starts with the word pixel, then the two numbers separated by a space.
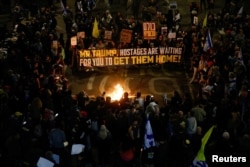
pixel 125 36
pixel 149 30
pixel 73 41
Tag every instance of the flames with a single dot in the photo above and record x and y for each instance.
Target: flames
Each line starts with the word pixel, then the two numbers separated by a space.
pixel 117 93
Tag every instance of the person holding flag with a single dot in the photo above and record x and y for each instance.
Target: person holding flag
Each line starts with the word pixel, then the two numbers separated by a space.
pixel 64 2
pixel 64 10
pixel 240 12
pixel 67 17
pixel 240 38
pixel 95 30
pixel 204 24
pixel 208 42
pixel 149 140
pixel 149 136
pixel 200 159
pixel 239 58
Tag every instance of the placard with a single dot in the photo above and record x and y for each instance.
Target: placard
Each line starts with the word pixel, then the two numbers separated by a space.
pixel 195 21
pixel 164 30
pixel 42 162
pixel 73 41
pixel 108 35
pixel 77 149
pixel 125 36
pixel 172 35
pixel 149 30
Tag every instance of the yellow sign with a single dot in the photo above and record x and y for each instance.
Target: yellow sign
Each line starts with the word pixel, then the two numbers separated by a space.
pixel 130 56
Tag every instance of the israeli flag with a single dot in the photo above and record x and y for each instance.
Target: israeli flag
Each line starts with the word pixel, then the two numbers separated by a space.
pixel 197 163
pixel 240 12
pixel 240 59
pixel 149 140
pixel 208 43
pixel 63 8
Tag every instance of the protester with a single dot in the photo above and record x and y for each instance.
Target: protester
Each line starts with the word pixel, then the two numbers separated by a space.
pixel 191 125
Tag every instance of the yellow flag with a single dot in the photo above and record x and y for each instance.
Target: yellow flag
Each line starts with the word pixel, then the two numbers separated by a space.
pixel 95 31
pixel 204 21
pixel 200 155
pixel 200 159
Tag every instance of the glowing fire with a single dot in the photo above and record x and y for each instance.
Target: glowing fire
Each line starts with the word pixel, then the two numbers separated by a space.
pixel 117 93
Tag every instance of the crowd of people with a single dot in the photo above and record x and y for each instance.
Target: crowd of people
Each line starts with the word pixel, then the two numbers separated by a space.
pixel 41 117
